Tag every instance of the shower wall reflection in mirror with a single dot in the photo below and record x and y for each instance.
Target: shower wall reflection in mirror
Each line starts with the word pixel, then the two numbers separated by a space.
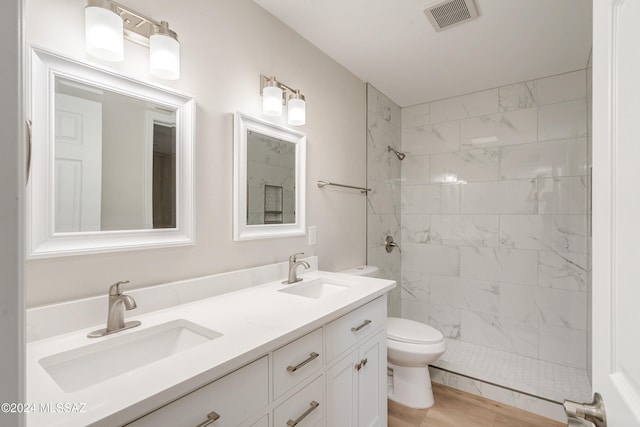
pixel 120 176
pixel 271 176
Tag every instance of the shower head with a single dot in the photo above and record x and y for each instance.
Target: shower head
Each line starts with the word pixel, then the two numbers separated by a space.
pixel 398 154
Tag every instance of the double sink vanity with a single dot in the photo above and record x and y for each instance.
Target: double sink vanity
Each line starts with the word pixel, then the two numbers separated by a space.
pixel 271 354
pixel 232 349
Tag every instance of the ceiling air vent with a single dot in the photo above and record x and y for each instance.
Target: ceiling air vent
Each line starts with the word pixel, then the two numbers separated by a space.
pixel 445 14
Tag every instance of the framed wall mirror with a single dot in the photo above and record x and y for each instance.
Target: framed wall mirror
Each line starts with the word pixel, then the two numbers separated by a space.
pixel 111 163
pixel 269 180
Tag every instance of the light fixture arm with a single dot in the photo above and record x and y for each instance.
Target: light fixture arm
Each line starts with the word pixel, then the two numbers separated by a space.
pixel 269 81
pixel 137 26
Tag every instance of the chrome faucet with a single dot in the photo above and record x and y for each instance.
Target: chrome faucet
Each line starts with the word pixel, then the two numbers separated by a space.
pixel 293 266
pixel 118 302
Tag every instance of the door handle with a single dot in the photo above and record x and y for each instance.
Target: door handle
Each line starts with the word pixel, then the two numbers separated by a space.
pixel 593 412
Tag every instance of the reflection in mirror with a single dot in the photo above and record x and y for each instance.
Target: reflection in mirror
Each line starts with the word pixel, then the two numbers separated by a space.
pixel 111 164
pixel 115 161
pixel 268 181
pixel 271 174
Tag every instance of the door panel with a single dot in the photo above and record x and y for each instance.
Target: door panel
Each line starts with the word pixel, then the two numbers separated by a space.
pixel 616 209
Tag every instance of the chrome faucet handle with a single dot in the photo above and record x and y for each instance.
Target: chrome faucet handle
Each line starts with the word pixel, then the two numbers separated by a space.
pixel 116 289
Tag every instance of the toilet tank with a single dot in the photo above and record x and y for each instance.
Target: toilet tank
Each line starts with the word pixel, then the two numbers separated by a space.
pixel 363 270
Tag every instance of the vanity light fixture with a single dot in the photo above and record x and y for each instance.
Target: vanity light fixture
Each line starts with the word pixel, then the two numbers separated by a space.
pixel 275 94
pixel 108 22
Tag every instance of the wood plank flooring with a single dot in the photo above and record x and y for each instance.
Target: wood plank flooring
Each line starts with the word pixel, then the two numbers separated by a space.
pixel 455 408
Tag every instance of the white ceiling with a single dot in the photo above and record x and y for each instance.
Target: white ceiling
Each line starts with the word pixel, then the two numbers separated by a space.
pixel 392 45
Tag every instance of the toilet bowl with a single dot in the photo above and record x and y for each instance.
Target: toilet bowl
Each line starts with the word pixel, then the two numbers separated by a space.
pixel 411 347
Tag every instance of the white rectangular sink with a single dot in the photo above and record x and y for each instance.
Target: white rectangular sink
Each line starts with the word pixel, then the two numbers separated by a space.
pixel 316 288
pixel 82 367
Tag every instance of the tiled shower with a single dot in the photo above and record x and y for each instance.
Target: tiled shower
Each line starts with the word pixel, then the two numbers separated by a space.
pixel 490 210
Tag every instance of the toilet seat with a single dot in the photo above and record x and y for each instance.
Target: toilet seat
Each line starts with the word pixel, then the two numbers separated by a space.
pixel 410 331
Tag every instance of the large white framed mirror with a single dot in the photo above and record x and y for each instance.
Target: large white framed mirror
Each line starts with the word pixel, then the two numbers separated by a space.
pixel 111 161
pixel 269 180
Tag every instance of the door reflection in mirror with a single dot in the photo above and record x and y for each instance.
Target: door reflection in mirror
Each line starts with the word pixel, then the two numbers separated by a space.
pixel 115 161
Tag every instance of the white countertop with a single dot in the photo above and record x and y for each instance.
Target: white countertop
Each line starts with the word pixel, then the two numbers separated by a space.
pixel 253 322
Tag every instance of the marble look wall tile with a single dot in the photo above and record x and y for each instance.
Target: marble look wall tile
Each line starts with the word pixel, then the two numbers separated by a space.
pixel 465 230
pixel 561 233
pixel 562 195
pixel 447 320
pixel 431 199
pixel 432 259
pixel 467 294
pixel 382 165
pixel 523 336
pixel 518 96
pixel 381 226
pixel 416 310
pixel 562 121
pixel 416 229
pixel 460 107
pixel 502 265
pixel 495 197
pixel 416 286
pixel 561 88
pixel 519 303
pixel 416 115
pixel 507 128
pixel 429 139
pixel 491 331
pixel 563 270
pixel 469 165
pixel 545 159
pixel 416 170
pixel 381 107
pixel 564 346
pixel 384 198
pixel 565 309
pixel 389 265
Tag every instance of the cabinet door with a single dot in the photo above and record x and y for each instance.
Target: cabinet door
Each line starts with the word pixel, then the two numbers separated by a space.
pixel 372 382
pixel 342 392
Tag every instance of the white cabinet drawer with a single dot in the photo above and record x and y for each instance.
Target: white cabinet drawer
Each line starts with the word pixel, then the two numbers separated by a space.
pixel 305 407
pixel 234 398
pixel 296 361
pixel 349 329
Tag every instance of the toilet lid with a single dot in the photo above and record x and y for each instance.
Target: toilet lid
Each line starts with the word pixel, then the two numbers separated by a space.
pixel 410 331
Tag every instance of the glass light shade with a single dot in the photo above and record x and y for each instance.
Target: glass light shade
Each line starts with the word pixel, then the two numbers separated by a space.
pixel 164 57
pixel 272 101
pixel 296 112
pixel 104 37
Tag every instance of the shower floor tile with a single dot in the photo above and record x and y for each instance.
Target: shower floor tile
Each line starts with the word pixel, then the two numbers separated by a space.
pixel 536 377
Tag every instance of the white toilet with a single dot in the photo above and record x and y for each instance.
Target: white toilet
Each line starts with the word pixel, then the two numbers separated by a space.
pixel 411 346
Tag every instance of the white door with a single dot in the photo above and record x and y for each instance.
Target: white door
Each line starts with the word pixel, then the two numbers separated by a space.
pixel 616 209
pixel 78 165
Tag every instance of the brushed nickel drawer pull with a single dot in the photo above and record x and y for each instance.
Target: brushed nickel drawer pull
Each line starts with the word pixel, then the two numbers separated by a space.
pixel 212 417
pixel 313 404
pixel 356 329
pixel 312 356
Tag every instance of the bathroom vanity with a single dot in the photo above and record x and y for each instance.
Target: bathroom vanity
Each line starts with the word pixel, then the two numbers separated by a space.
pixel 310 353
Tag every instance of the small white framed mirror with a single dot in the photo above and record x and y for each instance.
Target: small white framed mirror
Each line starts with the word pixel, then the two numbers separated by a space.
pixel 111 163
pixel 269 180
